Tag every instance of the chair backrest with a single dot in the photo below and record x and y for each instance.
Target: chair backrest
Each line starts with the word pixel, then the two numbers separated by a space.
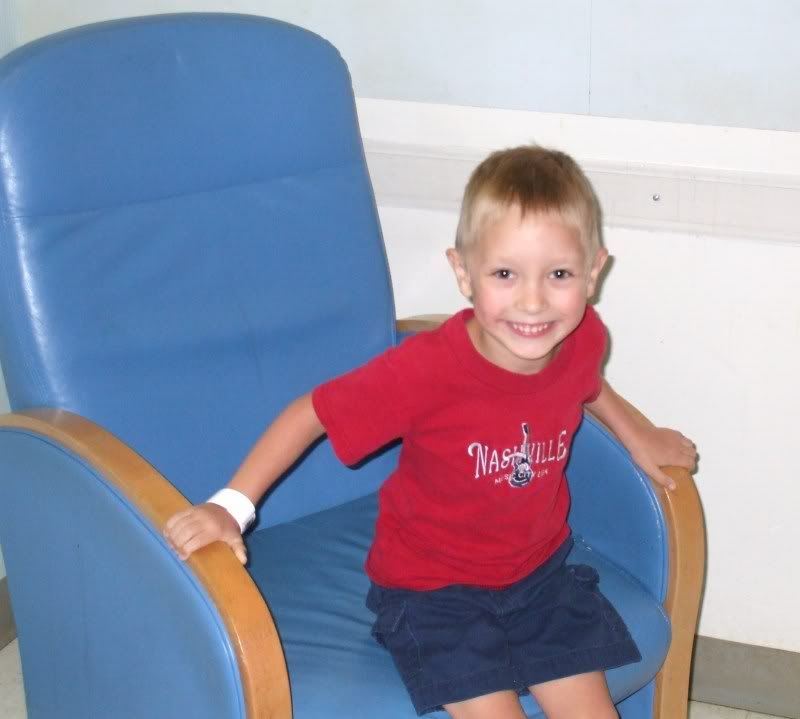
pixel 188 240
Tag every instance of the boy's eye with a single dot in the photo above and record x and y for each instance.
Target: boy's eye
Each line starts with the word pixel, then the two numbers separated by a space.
pixel 503 274
pixel 561 274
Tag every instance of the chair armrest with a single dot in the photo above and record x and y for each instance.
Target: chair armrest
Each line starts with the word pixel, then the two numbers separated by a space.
pixel 683 518
pixel 247 621
pixel 419 323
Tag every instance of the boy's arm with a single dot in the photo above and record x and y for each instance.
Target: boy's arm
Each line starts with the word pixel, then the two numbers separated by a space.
pixel 651 447
pixel 276 450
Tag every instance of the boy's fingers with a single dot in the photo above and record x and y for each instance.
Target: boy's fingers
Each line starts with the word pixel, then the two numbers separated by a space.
pixel 198 542
pixel 194 528
pixel 193 536
pixel 237 545
pixel 173 521
pixel 687 460
pixel 180 535
pixel 177 524
pixel 661 478
pixel 690 463
pixel 204 539
pixel 683 460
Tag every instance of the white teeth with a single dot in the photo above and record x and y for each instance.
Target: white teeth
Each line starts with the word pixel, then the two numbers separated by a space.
pixel 529 329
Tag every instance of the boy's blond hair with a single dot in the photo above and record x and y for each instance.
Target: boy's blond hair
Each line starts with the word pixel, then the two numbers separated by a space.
pixel 537 180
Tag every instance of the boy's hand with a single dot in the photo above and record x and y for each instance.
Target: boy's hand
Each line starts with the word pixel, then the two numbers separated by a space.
pixel 657 447
pixel 201 525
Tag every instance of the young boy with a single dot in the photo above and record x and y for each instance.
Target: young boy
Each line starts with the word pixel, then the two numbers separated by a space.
pixel 470 588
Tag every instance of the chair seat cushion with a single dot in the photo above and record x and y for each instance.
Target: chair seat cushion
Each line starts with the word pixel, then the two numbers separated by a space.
pixel 311 573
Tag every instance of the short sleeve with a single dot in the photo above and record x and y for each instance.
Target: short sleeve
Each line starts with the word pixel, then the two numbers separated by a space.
pixel 366 408
pixel 593 341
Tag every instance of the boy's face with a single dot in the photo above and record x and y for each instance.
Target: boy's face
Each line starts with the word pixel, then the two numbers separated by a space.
pixel 529 280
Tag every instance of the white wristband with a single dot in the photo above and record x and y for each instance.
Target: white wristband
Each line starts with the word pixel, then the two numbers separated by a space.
pixel 236 504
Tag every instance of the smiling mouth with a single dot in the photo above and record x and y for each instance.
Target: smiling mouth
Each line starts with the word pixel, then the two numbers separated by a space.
pixel 527 330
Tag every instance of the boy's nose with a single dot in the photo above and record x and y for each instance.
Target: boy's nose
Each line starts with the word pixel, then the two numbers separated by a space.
pixel 531 297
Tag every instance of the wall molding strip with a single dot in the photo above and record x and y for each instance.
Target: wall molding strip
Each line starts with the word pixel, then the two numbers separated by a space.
pixel 588 138
pixel 723 181
pixel 753 205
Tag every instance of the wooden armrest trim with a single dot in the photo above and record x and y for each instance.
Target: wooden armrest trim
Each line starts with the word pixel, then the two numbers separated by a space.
pixel 683 515
pixel 252 632
pixel 684 518
pixel 420 323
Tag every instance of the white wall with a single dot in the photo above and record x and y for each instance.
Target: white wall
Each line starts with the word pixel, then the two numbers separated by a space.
pixel 718 62
pixel 8 38
pixel 705 324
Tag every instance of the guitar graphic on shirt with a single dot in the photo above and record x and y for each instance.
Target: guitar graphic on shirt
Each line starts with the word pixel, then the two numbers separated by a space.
pixel 523 466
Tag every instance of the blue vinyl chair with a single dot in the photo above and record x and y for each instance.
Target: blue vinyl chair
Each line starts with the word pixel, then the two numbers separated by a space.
pixel 189 239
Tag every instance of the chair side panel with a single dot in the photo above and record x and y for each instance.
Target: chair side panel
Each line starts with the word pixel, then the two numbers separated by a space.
pixel 110 622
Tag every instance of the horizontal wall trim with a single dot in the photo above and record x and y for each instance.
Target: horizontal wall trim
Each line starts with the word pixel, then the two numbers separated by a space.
pixel 744 676
pixel 729 203
pixel 588 138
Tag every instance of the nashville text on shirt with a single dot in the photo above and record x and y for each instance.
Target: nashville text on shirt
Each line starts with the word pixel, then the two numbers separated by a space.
pixel 489 461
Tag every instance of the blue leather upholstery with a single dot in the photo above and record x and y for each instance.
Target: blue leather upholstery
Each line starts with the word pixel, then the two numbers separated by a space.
pixel 198 192
pixel 336 668
pixel 188 239
pixel 614 508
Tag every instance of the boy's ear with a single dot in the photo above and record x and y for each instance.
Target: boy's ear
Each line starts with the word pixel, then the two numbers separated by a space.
pixel 456 261
pixel 599 262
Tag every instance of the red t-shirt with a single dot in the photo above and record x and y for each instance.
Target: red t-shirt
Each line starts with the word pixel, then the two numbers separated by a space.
pixel 479 495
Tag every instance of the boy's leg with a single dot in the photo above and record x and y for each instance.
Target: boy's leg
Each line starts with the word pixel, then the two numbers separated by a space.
pixel 498 705
pixel 583 696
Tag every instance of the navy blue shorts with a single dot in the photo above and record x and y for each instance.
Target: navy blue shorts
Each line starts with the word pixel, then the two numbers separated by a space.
pixel 460 642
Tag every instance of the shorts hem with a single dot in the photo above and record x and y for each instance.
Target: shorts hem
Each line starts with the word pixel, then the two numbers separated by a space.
pixel 579 661
pixel 434 696
pixel 519 678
